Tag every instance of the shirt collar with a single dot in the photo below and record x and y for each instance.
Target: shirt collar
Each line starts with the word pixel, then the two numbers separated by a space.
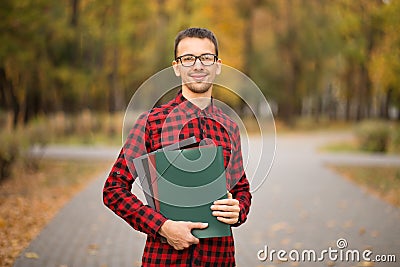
pixel 189 108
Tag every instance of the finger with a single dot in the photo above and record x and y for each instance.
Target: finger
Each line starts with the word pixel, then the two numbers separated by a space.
pixel 234 208
pixel 178 247
pixel 190 240
pixel 197 225
pixel 226 201
pixel 195 241
pixel 227 220
pixel 229 195
pixel 224 214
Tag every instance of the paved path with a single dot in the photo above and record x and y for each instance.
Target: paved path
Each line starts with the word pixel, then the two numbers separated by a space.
pixel 302 205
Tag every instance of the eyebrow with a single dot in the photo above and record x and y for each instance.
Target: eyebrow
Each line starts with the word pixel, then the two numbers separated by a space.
pixel 191 54
pixel 195 55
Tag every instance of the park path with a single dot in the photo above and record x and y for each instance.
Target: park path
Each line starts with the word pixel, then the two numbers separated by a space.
pixel 302 205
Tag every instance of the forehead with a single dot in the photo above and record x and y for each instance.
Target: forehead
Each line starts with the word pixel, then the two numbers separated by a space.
pixel 195 46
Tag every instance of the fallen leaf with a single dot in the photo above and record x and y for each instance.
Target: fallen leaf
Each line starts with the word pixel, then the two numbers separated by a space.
pixel 362 231
pixel 93 249
pixel 330 224
pixel 369 248
pixel 298 245
pixel 366 264
pixel 14 243
pixel 285 241
pixel 374 233
pixel 279 226
pixel 31 255
pixel 348 224
pixel 290 230
pixel 93 246
pixel 2 223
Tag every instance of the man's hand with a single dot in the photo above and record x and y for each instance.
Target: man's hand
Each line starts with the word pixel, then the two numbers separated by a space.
pixel 226 210
pixel 179 235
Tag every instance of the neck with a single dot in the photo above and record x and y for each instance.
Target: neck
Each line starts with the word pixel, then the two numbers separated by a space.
pixel 202 100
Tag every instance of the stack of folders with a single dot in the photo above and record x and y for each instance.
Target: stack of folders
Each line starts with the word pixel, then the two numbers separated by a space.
pixel 181 181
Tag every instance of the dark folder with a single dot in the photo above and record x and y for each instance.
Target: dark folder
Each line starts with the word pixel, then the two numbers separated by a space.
pixel 152 174
pixel 188 182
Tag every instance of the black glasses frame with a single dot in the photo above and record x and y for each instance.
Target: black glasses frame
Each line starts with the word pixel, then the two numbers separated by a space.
pixel 195 59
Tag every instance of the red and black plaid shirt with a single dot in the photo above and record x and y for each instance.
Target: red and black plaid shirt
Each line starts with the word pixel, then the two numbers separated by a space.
pixel 177 120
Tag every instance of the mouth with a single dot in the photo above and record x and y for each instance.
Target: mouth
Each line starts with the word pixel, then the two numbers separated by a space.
pixel 198 77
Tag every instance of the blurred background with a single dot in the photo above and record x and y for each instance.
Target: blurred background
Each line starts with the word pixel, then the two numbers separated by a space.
pixel 68 68
pixel 85 58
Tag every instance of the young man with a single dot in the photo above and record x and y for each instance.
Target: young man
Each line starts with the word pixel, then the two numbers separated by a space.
pixel 191 113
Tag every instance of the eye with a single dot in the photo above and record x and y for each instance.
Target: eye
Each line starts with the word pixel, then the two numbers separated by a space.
pixel 187 58
pixel 207 57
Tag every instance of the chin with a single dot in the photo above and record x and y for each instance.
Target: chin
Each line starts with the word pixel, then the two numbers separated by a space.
pixel 199 88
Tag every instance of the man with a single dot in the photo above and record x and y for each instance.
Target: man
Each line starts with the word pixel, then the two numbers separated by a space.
pixel 191 113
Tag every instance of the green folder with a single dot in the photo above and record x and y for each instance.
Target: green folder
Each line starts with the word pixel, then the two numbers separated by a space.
pixel 143 168
pixel 188 182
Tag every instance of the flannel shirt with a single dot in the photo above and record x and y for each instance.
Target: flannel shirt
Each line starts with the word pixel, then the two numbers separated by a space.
pixel 172 122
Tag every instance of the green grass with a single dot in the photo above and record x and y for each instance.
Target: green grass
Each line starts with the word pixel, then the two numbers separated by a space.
pixel 383 181
pixel 341 146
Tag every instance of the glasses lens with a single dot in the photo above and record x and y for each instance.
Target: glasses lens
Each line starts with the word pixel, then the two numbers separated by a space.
pixel 207 59
pixel 188 60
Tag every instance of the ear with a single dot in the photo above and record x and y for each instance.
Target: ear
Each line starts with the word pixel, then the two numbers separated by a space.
pixel 219 67
pixel 175 66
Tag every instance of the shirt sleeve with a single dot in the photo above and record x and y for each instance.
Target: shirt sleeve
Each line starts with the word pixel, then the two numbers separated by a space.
pixel 239 185
pixel 117 194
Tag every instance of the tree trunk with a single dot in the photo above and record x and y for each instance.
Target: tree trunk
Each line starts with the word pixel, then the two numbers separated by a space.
pixel 290 103
pixel 115 93
pixel 75 13
pixel 162 59
pixel 8 97
pixel 33 100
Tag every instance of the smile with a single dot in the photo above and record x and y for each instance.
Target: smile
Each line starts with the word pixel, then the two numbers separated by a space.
pixel 198 77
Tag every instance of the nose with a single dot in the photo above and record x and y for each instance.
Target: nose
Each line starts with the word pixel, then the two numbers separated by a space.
pixel 197 64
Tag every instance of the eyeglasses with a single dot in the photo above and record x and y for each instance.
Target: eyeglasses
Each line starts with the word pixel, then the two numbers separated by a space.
pixel 190 60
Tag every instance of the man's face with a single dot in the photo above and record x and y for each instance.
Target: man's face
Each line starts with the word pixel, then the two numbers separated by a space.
pixel 197 78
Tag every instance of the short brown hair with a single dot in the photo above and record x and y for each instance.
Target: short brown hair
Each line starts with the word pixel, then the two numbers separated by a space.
pixel 196 33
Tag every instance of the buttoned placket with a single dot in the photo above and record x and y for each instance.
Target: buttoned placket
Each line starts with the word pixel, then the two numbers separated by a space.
pixel 202 124
pixel 202 116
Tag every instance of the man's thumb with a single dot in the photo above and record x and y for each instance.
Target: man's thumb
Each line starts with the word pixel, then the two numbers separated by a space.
pixel 198 225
